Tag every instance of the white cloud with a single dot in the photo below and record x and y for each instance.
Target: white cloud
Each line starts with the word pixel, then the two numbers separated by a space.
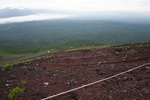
pixel 81 5
pixel 33 18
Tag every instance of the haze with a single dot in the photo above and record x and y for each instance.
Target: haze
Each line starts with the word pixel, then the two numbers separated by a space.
pixel 122 10
pixel 81 5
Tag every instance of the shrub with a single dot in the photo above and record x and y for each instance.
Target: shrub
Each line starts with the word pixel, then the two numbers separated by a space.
pixel 7 65
pixel 24 82
pixel 25 67
pixel 27 61
pixel 14 92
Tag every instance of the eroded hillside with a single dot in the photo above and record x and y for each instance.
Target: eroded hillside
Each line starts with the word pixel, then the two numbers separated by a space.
pixel 62 71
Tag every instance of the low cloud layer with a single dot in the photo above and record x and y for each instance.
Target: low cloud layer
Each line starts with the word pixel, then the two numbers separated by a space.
pixel 33 18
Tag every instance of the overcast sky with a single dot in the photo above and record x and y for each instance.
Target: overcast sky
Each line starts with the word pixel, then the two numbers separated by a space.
pixel 118 6
pixel 81 5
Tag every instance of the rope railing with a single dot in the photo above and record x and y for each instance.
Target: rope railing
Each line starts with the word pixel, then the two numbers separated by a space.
pixel 83 86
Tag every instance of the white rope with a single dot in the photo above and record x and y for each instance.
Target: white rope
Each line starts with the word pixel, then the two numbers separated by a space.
pixel 83 86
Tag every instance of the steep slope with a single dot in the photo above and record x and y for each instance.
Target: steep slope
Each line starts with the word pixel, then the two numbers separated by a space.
pixel 58 72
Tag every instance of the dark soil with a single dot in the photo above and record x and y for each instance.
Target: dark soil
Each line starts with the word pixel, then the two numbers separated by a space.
pixel 68 70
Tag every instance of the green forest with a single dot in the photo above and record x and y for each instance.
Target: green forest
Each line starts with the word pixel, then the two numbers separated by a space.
pixel 33 37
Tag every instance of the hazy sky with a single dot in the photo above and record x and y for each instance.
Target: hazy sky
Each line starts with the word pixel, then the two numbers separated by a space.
pixel 116 6
pixel 81 5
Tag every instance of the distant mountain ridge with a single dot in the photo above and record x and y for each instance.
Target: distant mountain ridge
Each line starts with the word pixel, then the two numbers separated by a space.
pixel 13 12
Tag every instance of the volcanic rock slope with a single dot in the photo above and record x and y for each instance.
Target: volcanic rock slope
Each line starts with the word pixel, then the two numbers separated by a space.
pixel 67 70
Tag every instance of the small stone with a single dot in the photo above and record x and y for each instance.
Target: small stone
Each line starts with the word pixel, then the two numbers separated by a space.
pixel 33 89
pixel 47 74
pixel 100 53
pixel 68 83
pixel 75 82
pixel 139 79
pixel 141 95
pixel 9 81
pixel 43 68
pixel 64 72
pixel 148 67
pixel 24 89
pixel 27 78
pixel 46 83
pixel 110 97
pixel 124 91
pixel 52 62
pixel 117 53
pixel 102 73
pixel 148 71
pixel 36 79
pixel 85 50
pixel 25 72
pixel 55 75
pixel 7 84
pixel 118 49
pixel 127 79
pixel 36 69
pixel 145 91
pixel 32 70
pixel 91 57
pixel 97 70
pixel 138 87
pixel 37 98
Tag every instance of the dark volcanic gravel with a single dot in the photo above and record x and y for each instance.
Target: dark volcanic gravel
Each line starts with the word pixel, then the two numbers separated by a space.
pixel 68 70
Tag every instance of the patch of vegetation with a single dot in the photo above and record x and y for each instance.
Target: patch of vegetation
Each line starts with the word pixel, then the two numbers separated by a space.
pixel 139 45
pixel 23 82
pixel 110 66
pixel 25 67
pixel 49 56
pixel 5 66
pixel 147 45
pixel 14 92
pixel 133 51
pixel 124 48
pixel 143 44
pixel 27 61
pixel 38 58
pixel 87 48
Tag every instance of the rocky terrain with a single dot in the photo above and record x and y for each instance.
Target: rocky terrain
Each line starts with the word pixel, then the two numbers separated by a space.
pixel 0 54
pixel 63 71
